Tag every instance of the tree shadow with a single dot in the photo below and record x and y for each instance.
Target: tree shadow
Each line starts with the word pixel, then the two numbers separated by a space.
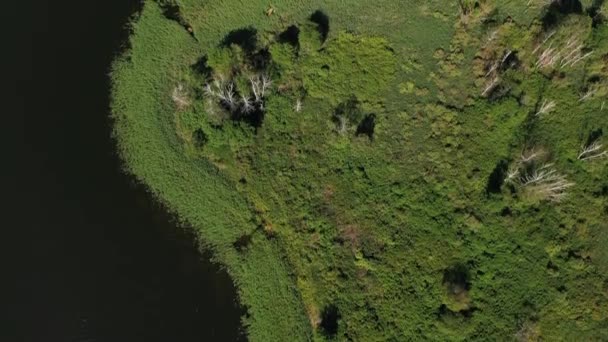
pixel 457 279
pixel 246 38
pixel 558 9
pixel 260 60
pixel 200 138
pixel 348 110
pixel 594 12
pixel 329 321
pixel 594 136
pixel 172 11
pixel 497 177
pixel 202 68
pixel 322 20
pixel 243 242
pixel 367 126
pixel 290 36
pixel 254 118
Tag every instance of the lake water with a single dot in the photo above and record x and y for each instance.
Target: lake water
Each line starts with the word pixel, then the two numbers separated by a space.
pixel 87 256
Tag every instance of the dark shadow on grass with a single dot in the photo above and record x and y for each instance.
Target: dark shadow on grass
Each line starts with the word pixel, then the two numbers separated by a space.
pixel 497 177
pixel 172 11
pixel 202 68
pixel 594 12
pixel 254 118
pixel 445 313
pixel 366 126
pixel 510 60
pixel 290 36
pixel 457 279
pixel 199 138
pixel 594 136
pixel 246 38
pixel 348 111
pixel 329 321
pixel 566 6
pixel 322 21
pixel 260 60
pixel 559 9
pixel 243 242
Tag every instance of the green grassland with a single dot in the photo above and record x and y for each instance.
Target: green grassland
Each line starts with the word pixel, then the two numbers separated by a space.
pixel 383 170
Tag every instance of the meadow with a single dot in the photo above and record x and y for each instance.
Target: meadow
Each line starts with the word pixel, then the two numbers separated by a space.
pixel 382 170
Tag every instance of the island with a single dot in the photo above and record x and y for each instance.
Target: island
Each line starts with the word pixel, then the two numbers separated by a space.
pixel 382 170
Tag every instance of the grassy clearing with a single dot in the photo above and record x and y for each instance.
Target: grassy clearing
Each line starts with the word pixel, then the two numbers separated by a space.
pixel 382 170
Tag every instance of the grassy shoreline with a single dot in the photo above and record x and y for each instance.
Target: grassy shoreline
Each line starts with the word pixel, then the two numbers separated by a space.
pixel 177 183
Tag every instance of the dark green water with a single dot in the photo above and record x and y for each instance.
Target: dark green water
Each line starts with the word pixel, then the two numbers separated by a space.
pixel 86 255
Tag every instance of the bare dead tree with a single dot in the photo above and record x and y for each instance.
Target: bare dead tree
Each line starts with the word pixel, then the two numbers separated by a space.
pixel 588 94
pixel 532 154
pixel 553 190
pixel 512 175
pixel 266 84
pixel 578 58
pixel 491 85
pixel 493 68
pixel 575 50
pixel 563 55
pixel 546 107
pixel 256 89
pixel 541 174
pixel 228 102
pixel 259 86
pixel 546 183
pixel 549 36
pixel 537 177
pixel 548 57
pixel 342 124
pixel 223 91
pixel 492 75
pixel 298 106
pixel 592 151
pixel 246 104
pixel 229 95
pixel 506 57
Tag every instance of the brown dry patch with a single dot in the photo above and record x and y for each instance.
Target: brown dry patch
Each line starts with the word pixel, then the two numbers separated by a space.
pixel 314 241
pixel 293 151
pixel 350 235
pixel 361 273
pixel 474 12
pixel 314 315
pixel 268 228
pixel 328 192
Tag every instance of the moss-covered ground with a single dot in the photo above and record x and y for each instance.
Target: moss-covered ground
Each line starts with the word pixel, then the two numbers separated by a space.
pixel 383 170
